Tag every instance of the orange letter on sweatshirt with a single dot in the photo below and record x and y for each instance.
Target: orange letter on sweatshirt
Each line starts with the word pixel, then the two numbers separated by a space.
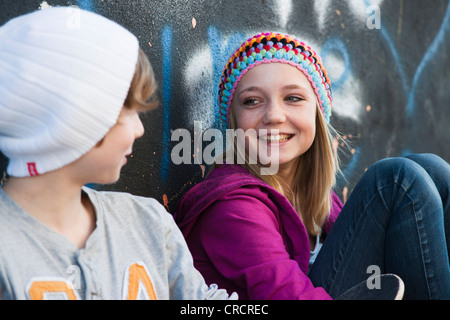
pixel 137 276
pixel 38 289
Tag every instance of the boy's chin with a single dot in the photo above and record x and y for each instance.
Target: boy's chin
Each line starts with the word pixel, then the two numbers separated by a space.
pixel 111 179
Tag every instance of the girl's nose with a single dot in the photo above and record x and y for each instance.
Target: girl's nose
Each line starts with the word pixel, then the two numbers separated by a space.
pixel 274 113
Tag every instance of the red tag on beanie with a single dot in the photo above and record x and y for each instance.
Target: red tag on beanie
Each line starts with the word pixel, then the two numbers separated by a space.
pixel 32 169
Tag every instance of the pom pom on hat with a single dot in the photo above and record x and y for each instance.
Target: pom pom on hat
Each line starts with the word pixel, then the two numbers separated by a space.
pixel 274 47
pixel 64 77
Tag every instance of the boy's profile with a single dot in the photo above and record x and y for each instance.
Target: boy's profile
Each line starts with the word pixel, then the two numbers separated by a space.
pixel 70 97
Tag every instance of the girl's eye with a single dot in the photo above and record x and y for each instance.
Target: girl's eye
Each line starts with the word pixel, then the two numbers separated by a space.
pixel 250 102
pixel 294 99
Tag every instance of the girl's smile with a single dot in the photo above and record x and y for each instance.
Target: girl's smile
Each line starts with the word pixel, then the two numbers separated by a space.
pixel 276 139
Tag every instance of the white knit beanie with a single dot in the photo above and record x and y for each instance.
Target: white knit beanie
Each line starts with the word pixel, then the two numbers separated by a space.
pixel 64 76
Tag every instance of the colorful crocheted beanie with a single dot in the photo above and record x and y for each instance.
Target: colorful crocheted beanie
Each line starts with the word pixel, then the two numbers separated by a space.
pixel 274 47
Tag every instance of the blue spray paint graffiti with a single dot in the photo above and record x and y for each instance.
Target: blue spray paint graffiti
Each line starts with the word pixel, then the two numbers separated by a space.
pixel 394 53
pixel 336 44
pixel 332 44
pixel 167 35
pixel 432 50
pixel 220 54
pixel 86 5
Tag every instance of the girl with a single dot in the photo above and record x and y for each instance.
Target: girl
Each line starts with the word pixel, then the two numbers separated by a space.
pixel 287 235
pixel 70 97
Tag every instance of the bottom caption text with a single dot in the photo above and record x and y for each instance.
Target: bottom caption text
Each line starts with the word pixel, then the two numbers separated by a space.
pixel 229 309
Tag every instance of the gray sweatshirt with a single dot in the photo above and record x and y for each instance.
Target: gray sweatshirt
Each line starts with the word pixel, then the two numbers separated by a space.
pixel 135 252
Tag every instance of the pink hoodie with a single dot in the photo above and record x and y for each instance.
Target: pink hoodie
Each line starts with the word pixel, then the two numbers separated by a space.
pixel 247 238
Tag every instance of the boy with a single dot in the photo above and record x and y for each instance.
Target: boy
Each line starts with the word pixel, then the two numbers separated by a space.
pixel 72 84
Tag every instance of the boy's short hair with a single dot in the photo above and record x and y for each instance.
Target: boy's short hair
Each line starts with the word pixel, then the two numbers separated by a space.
pixel 143 86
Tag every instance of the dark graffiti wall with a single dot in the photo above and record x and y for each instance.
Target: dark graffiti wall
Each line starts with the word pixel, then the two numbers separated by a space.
pixel 388 60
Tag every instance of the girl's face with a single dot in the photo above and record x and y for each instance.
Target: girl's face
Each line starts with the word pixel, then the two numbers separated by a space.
pixel 104 162
pixel 277 96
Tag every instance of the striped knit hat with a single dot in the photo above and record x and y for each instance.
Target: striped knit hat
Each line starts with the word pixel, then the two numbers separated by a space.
pixel 274 47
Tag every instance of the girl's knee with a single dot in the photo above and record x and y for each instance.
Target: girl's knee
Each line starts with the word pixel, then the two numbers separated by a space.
pixel 428 159
pixel 405 176
pixel 399 170
pixel 435 166
pixel 394 165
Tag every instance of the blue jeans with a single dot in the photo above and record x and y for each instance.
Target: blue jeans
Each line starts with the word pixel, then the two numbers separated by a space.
pixel 397 218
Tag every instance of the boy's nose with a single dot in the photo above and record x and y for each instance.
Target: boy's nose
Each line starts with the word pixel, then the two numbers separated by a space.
pixel 139 127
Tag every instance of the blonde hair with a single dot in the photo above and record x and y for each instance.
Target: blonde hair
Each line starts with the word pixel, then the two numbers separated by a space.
pixel 143 86
pixel 314 179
